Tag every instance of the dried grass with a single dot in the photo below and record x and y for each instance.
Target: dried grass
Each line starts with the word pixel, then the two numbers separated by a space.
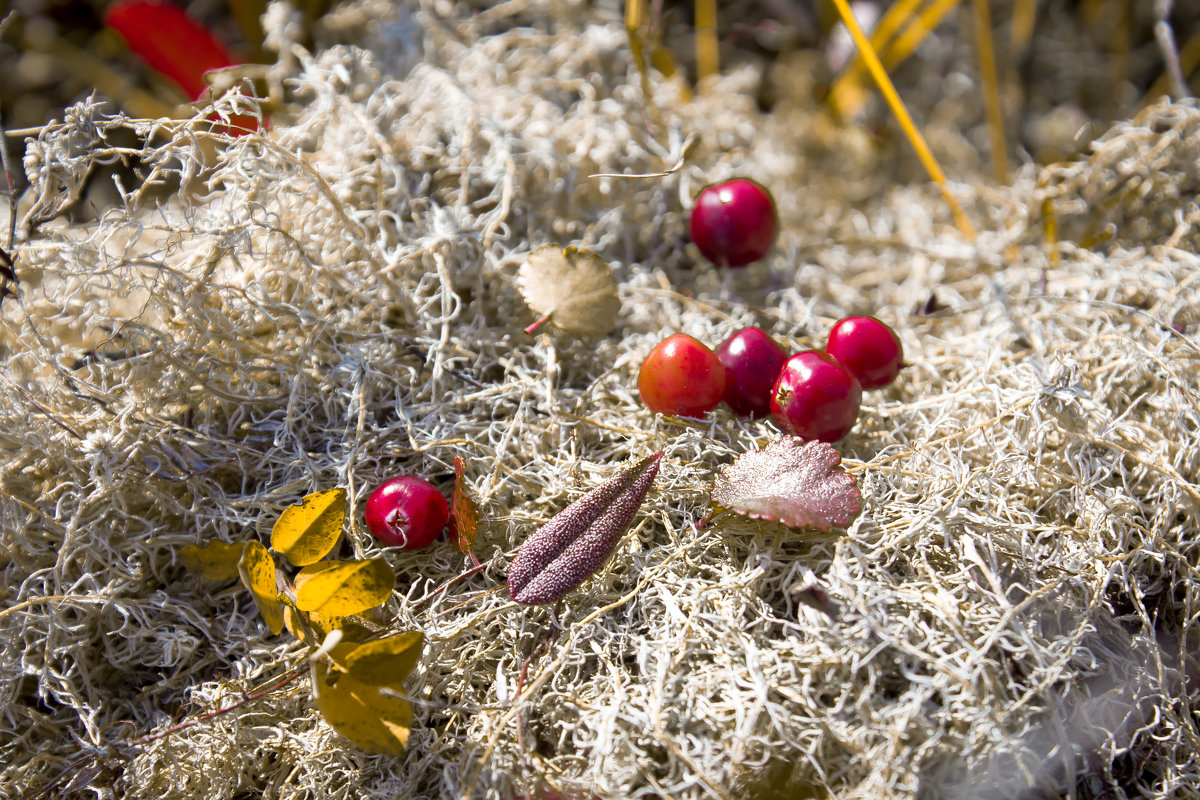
pixel 334 302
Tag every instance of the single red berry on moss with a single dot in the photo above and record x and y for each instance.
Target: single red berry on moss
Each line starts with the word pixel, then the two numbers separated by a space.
pixel 815 397
pixel 868 348
pixel 406 512
pixel 752 362
pixel 734 223
pixel 681 376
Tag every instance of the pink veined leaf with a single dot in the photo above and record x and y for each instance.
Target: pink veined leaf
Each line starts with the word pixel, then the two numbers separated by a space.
pixel 578 540
pixel 799 483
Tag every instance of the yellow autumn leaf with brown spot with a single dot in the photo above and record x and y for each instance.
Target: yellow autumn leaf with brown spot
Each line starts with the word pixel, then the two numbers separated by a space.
pixel 305 533
pixel 342 588
pixel 257 570
pixel 215 561
pixel 372 718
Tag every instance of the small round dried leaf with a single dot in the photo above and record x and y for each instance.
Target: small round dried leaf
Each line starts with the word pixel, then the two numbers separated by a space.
pixel 573 288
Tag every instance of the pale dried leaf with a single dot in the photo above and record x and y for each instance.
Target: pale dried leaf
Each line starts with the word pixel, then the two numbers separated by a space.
pixel 573 288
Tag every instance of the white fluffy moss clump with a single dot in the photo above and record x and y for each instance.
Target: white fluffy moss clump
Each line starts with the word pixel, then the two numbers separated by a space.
pixel 334 302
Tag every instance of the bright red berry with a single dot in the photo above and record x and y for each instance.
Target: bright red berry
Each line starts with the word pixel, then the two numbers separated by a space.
pixel 734 223
pixel 681 376
pixel 868 348
pixel 815 397
pixel 406 512
pixel 752 362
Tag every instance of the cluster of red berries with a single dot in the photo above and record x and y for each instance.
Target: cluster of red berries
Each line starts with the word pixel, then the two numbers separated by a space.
pixel 814 394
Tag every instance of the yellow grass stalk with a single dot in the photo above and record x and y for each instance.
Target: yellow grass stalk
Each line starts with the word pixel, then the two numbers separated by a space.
pixel 877 71
pixel 635 18
pixel 707 53
pixel 991 89
pixel 846 93
pixel 1118 43
pixel 1189 59
pixel 911 37
pixel 1021 33
pixel 899 32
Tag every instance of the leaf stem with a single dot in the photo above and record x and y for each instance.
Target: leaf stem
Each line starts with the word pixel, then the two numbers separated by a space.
pixel 539 322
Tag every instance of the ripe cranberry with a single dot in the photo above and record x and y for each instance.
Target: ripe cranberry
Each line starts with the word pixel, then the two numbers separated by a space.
pixel 406 512
pixel 815 397
pixel 752 362
pixel 868 348
pixel 734 223
pixel 681 376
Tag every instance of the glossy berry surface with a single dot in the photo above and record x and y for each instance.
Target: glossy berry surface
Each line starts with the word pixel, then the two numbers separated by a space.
pixel 815 397
pixel 868 348
pixel 681 376
pixel 734 223
pixel 752 362
pixel 406 512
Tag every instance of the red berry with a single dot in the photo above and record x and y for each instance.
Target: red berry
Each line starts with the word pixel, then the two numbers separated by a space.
pixel 734 223
pixel 681 376
pixel 868 348
pixel 406 512
pixel 752 362
pixel 815 397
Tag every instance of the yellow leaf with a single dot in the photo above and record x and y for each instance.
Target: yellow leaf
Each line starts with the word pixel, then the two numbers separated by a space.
pixel 352 629
pixel 375 720
pixel 385 662
pixel 215 561
pixel 341 588
pixel 257 569
pixel 305 533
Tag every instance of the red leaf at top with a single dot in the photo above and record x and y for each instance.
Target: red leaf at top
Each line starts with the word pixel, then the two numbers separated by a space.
pixel 793 481
pixel 464 514
pixel 169 41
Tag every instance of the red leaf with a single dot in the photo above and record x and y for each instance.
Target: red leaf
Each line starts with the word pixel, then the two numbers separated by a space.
pixel 577 541
pixel 464 514
pixel 798 483
pixel 169 41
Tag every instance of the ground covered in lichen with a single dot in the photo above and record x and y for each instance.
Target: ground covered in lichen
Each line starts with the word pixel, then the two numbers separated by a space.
pixel 334 302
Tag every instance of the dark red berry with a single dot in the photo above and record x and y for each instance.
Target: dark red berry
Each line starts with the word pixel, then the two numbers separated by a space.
pixel 681 376
pixel 752 362
pixel 406 512
pixel 734 223
pixel 815 397
pixel 868 348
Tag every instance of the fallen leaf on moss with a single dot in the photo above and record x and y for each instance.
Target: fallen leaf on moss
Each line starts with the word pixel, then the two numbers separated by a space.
pixel 572 289
pixel 799 483
pixel 257 569
pixel 373 718
pixel 305 533
pixel 464 513
pixel 577 541
pixel 387 661
pixel 215 561
pixel 342 588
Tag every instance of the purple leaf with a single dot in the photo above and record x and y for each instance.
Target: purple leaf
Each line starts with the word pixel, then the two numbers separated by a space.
pixel 798 483
pixel 578 540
